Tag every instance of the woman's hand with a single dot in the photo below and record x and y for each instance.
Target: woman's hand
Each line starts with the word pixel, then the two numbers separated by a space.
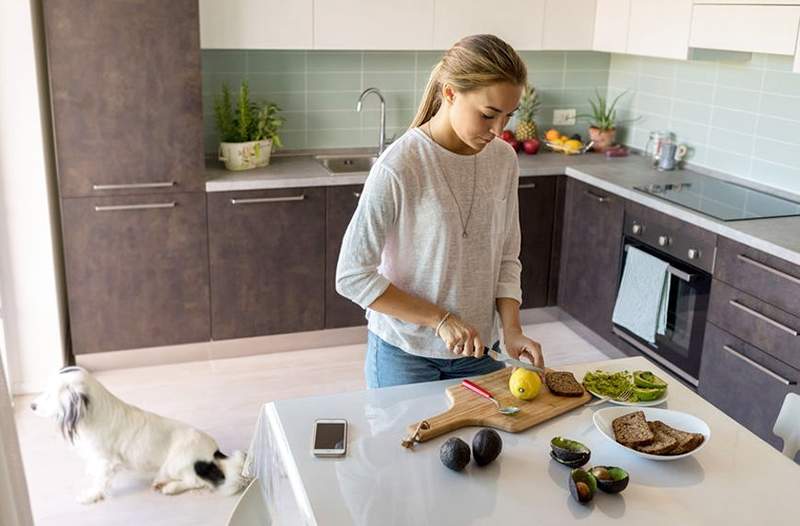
pixel 519 345
pixel 461 339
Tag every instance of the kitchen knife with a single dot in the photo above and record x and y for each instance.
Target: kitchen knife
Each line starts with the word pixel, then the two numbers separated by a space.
pixel 494 355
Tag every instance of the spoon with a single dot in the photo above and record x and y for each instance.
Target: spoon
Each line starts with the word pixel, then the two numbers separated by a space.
pixel 477 389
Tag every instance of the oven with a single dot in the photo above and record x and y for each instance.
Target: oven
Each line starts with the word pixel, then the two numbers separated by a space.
pixel 680 348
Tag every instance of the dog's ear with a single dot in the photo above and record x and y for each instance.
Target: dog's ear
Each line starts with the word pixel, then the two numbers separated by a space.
pixel 74 405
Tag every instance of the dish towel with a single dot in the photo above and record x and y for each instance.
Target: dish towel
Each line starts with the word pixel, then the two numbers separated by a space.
pixel 643 296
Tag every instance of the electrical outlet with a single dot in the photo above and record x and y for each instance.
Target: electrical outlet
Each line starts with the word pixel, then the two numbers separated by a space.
pixel 564 117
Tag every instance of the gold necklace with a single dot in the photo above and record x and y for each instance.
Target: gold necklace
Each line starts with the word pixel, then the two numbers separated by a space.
pixel 464 223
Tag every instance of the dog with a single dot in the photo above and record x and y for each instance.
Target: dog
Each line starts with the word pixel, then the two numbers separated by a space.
pixel 112 435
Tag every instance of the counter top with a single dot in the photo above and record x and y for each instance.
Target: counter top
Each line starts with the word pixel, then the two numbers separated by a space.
pixel 735 479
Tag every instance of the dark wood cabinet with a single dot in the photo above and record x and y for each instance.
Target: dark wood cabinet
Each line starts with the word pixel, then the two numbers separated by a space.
pixel 125 86
pixel 537 199
pixel 267 261
pixel 341 204
pixel 590 255
pixel 137 271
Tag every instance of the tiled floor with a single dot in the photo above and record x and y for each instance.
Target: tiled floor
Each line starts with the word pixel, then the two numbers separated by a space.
pixel 222 397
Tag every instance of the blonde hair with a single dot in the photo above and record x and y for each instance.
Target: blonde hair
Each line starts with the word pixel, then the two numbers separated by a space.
pixel 473 62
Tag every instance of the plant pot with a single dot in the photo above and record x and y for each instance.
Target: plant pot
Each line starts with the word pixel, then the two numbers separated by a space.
pixel 245 155
pixel 603 139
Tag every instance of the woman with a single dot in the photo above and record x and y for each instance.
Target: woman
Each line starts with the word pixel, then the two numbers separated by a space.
pixel 432 251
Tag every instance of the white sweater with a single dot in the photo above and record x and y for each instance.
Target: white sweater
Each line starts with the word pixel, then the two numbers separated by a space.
pixel 406 231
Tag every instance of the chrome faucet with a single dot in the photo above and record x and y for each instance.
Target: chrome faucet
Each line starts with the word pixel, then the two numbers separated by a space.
pixel 382 132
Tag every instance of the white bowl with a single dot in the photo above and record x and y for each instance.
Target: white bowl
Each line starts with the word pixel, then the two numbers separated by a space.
pixel 682 421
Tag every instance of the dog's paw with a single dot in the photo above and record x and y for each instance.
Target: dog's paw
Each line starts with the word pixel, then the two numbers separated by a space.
pixel 173 488
pixel 91 497
pixel 159 484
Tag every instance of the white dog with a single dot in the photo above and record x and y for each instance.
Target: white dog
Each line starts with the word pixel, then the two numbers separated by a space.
pixel 113 435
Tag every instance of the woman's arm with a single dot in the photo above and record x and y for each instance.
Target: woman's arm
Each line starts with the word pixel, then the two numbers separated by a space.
pixel 517 344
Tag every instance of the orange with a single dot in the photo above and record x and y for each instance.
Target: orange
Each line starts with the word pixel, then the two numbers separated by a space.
pixel 552 134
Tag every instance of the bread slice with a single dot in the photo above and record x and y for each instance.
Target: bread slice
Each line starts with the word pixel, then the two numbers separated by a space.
pixel 563 383
pixel 686 442
pixel 664 441
pixel 632 430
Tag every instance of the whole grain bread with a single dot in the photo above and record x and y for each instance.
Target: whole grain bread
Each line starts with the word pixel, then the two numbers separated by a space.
pixel 563 383
pixel 632 430
pixel 664 441
pixel 686 442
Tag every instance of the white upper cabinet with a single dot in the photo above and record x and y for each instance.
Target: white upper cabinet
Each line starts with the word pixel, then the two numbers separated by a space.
pixel 255 24
pixel 519 22
pixel 611 26
pixel 660 29
pixel 569 24
pixel 751 28
pixel 374 24
pixel 749 2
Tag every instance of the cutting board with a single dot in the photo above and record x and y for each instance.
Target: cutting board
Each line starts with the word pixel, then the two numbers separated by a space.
pixel 469 409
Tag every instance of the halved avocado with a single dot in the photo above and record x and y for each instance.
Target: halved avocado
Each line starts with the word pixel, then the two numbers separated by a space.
pixel 648 379
pixel 647 394
pixel 582 485
pixel 610 479
pixel 569 452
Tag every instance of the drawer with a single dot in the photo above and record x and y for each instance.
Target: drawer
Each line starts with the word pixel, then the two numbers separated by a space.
pixel 758 323
pixel 767 277
pixel 651 226
pixel 745 383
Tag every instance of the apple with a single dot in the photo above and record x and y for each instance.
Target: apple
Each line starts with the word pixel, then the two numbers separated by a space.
pixel 507 135
pixel 531 146
pixel 514 144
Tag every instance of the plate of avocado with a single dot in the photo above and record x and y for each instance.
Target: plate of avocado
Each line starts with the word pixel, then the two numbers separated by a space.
pixel 646 388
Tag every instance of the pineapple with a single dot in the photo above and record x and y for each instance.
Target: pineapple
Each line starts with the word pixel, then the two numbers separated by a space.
pixel 528 105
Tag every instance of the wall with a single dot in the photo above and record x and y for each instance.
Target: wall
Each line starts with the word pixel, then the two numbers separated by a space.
pixel 740 113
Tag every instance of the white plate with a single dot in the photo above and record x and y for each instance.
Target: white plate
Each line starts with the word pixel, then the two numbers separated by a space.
pixel 650 403
pixel 682 421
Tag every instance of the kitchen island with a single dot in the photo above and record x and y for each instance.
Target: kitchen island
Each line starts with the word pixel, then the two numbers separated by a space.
pixel 735 479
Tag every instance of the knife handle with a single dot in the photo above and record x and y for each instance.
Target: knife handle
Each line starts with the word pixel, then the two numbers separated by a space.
pixel 477 389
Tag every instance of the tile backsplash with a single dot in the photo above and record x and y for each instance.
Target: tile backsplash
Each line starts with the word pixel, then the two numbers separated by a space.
pixel 317 90
pixel 740 114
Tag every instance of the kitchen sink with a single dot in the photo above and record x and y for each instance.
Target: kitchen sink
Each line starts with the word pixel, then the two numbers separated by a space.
pixel 342 164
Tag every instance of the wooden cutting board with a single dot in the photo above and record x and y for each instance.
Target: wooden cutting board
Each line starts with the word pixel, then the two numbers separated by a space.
pixel 469 409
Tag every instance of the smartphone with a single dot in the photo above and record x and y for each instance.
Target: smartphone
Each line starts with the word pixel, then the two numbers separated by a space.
pixel 330 438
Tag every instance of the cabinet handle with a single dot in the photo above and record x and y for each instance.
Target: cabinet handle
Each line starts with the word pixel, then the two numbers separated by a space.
pixel 165 184
pixel 758 366
pixel 149 206
pixel 254 200
pixel 769 269
pixel 528 185
pixel 763 317
pixel 599 198
pixel 357 195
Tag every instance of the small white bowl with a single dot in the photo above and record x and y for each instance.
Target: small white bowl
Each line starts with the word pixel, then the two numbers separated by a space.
pixel 682 421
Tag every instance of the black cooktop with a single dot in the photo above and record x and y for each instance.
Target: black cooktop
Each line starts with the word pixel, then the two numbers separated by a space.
pixel 722 199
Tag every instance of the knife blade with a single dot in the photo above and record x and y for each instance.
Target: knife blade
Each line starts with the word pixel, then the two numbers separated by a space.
pixel 494 355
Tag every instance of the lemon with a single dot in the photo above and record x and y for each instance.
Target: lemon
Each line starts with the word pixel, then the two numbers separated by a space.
pixel 524 384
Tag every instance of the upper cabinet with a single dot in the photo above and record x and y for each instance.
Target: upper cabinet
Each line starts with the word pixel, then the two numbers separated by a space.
pixel 256 24
pixel 611 26
pixel 377 24
pixel 659 29
pixel 750 28
pixel 569 24
pixel 520 22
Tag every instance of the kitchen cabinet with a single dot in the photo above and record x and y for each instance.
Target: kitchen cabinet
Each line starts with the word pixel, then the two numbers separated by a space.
pixel 520 22
pixel 136 270
pixel 267 264
pixel 659 29
pixel 378 24
pixel 126 95
pixel 537 201
pixel 749 28
pixel 590 255
pixel 342 202
pixel 569 24
pixel 611 26
pixel 256 24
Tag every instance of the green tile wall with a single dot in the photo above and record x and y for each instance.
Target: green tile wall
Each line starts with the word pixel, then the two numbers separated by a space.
pixel 739 113
pixel 317 90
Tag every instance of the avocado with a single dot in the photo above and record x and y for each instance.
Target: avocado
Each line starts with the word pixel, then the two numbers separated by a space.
pixel 582 485
pixel 454 454
pixel 647 394
pixel 486 446
pixel 648 379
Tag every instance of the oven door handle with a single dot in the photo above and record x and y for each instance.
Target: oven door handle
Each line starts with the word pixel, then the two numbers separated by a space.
pixel 678 273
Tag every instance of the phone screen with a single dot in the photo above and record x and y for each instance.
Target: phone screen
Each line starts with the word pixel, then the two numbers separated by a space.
pixel 329 436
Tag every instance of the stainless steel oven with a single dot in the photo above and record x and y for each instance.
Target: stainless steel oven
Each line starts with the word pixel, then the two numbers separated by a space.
pixel 680 348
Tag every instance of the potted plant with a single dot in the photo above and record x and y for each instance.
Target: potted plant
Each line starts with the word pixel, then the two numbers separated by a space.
pixel 248 131
pixel 603 120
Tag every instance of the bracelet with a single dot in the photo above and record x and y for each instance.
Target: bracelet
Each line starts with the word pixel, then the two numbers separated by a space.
pixel 441 322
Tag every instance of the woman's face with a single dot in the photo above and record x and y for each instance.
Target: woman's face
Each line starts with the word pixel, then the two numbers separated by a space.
pixel 480 115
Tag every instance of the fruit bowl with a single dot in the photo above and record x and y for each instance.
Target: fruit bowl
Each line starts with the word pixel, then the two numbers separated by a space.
pixel 569 149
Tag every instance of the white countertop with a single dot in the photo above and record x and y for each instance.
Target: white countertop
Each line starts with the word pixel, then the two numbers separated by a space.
pixel 735 479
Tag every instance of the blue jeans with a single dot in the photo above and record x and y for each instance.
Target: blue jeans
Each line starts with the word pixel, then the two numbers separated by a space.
pixel 387 365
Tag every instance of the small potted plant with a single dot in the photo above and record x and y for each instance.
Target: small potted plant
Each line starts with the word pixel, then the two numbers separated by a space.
pixel 603 119
pixel 248 131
